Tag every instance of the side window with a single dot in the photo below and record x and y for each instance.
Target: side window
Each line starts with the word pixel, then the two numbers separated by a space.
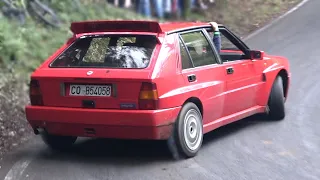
pixel 185 60
pixel 229 51
pixel 199 48
pixel 226 44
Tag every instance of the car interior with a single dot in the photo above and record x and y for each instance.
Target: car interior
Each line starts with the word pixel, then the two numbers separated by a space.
pixel 199 48
pixel 229 51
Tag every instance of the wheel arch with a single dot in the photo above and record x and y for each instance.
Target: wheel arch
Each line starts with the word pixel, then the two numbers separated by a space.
pixel 270 78
pixel 196 101
pixel 285 81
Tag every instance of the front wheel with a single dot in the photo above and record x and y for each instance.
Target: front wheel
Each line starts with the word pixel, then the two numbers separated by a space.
pixel 56 142
pixel 276 101
pixel 187 135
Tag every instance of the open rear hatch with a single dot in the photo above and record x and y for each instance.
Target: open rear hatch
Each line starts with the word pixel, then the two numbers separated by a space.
pixel 105 72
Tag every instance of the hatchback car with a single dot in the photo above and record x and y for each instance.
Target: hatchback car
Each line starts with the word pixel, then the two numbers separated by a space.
pixel 150 80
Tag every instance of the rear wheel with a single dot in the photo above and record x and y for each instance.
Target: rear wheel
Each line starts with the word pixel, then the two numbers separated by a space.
pixel 58 142
pixel 187 136
pixel 276 107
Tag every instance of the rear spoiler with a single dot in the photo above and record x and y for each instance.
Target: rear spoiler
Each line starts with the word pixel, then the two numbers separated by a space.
pixel 115 26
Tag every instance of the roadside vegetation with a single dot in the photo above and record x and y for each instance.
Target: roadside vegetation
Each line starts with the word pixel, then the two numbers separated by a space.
pixel 23 48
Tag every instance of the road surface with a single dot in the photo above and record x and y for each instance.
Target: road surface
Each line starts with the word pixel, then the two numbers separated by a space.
pixel 250 149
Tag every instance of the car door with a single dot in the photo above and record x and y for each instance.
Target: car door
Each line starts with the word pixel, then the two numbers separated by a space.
pixel 240 87
pixel 241 75
pixel 203 74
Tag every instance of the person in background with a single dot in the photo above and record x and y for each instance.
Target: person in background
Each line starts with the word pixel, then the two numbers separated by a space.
pixel 174 7
pixel 168 8
pixel 136 5
pixel 116 3
pixel 127 3
pixel 178 6
pixel 200 4
pixel 144 8
pixel 193 4
pixel 121 3
pixel 159 6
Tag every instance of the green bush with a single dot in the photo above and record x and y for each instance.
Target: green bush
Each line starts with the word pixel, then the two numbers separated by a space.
pixel 24 48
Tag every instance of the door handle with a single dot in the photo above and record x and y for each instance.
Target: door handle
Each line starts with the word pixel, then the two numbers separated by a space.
pixel 230 70
pixel 192 78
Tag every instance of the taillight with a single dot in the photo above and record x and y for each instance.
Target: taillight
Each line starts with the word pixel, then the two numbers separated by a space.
pixel 35 93
pixel 148 98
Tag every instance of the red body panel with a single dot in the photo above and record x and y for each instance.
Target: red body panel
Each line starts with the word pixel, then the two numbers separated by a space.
pixel 224 98
pixel 272 65
pixel 133 124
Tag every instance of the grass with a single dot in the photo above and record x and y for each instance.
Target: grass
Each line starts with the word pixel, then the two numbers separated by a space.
pixel 24 48
pixel 243 17
pixel 31 44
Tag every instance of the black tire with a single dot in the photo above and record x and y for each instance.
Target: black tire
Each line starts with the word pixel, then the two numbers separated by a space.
pixel 178 143
pixel 276 107
pixel 59 143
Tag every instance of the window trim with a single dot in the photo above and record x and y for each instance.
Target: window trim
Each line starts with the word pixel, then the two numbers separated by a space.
pixel 216 54
pixel 189 56
pixel 200 67
pixel 205 34
pixel 244 45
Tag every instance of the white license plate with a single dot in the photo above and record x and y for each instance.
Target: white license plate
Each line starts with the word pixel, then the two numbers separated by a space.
pixel 90 90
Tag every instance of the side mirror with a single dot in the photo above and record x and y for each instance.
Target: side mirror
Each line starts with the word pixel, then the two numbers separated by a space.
pixel 254 54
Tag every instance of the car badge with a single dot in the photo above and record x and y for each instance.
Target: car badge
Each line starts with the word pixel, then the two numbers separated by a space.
pixel 89 73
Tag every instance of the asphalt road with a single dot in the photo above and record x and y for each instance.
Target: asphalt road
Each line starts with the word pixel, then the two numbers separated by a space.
pixel 250 149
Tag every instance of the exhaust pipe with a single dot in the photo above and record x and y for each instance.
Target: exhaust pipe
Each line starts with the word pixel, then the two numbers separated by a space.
pixel 38 131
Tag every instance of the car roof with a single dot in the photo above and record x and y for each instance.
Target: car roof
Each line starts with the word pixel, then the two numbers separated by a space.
pixel 133 26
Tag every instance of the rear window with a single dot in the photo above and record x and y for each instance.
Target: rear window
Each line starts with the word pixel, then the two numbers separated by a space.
pixel 111 51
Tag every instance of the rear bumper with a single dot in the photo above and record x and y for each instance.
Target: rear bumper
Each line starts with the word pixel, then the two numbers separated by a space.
pixel 123 124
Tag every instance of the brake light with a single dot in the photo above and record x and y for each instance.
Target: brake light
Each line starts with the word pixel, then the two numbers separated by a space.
pixel 148 98
pixel 35 93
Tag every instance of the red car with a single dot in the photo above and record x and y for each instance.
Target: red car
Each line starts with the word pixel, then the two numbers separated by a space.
pixel 150 80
